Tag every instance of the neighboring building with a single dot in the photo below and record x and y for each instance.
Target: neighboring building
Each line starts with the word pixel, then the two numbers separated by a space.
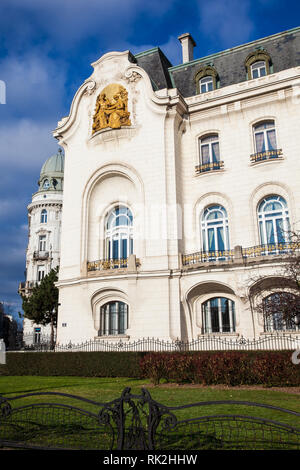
pixel 181 184
pixel 44 224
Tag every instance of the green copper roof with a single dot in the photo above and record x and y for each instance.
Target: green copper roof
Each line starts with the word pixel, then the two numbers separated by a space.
pixel 54 165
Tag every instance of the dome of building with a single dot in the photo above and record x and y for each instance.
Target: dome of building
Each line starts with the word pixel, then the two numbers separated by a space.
pixel 52 173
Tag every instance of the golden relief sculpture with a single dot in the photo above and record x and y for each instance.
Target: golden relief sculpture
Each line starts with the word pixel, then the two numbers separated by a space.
pixel 111 108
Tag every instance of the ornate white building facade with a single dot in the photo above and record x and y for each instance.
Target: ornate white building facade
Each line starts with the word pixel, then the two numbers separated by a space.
pixel 180 187
pixel 44 231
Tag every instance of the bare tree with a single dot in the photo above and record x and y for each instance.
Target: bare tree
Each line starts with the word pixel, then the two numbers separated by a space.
pixel 281 306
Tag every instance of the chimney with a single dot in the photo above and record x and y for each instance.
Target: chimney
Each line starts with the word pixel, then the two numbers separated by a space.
pixel 188 44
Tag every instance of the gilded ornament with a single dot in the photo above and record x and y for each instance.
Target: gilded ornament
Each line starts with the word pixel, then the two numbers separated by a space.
pixel 111 109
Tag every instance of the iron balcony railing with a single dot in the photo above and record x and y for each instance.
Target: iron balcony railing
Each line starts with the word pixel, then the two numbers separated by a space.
pixel 206 256
pixel 267 155
pixel 209 167
pixel 231 255
pixel 271 249
pixel 40 254
pixel 102 264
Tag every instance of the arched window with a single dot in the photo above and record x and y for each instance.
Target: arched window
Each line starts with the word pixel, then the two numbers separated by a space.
pixel 258 69
pixel 44 216
pixel 215 231
pixel 258 64
pixel 113 319
pixel 209 153
pixel 279 309
pixel 218 315
pixel 119 233
pixel 273 220
pixel 206 84
pixel 46 184
pixel 264 136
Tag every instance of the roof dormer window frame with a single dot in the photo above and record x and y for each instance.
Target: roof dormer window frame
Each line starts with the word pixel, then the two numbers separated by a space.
pixel 263 62
pixel 203 73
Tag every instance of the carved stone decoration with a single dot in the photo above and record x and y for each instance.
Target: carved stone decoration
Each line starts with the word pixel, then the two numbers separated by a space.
pixel 132 76
pixel 111 109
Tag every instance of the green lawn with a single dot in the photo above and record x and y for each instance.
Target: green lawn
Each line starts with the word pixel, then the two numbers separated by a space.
pixel 107 389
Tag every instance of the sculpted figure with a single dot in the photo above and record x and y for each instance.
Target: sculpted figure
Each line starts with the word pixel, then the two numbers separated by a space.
pixel 100 119
pixel 111 113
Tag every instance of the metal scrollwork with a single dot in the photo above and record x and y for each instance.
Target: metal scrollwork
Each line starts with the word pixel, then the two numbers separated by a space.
pixel 5 408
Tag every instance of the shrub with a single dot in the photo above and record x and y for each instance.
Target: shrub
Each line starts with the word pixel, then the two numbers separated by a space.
pixel 271 368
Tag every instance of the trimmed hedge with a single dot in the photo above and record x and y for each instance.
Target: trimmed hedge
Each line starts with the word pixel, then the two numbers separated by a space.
pixel 81 364
pixel 271 368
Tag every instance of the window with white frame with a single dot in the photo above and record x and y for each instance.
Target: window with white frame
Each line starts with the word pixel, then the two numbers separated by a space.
pixel 273 220
pixel 42 243
pixel 264 136
pixel 44 216
pixel 206 84
pixel 119 233
pixel 113 319
pixel 258 69
pixel 218 315
pixel 215 230
pixel 209 149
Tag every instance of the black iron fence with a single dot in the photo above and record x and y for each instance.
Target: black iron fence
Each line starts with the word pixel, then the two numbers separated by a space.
pixel 274 342
pixel 137 422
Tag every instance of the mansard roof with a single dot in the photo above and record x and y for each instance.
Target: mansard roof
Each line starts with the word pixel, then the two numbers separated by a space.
pixel 282 49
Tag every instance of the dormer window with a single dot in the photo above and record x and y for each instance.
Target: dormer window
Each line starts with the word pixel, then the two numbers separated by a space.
pixel 206 79
pixel 206 84
pixel 258 64
pixel 258 69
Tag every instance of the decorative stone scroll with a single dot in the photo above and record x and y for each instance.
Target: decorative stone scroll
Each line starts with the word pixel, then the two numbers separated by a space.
pixel 111 109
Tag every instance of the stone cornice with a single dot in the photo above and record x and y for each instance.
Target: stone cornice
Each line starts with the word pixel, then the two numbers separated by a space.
pixel 242 91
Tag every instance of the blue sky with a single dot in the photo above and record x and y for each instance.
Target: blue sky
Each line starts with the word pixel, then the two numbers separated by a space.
pixel 46 48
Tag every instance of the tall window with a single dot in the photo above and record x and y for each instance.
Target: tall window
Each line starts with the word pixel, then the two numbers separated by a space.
pixel 215 231
pixel 119 233
pixel 206 84
pixel 209 150
pixel 273 219
pixel 265 136
pixel 218 315
pixel 274 307
pixel 40 273
pixel 43 216
pixel 113 319
pixel 258 69
pixel 42 243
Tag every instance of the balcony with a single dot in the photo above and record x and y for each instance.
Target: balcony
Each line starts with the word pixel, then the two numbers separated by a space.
pixel 213 166
pixel 42 255
pixel 238 255
pixel 266 156
pixel 105 265
pixel 207 256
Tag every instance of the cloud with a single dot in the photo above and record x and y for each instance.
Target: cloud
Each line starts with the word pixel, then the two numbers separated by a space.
pixel 228 23
pixel 69 21
pixel 26 143
pixel 35 84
